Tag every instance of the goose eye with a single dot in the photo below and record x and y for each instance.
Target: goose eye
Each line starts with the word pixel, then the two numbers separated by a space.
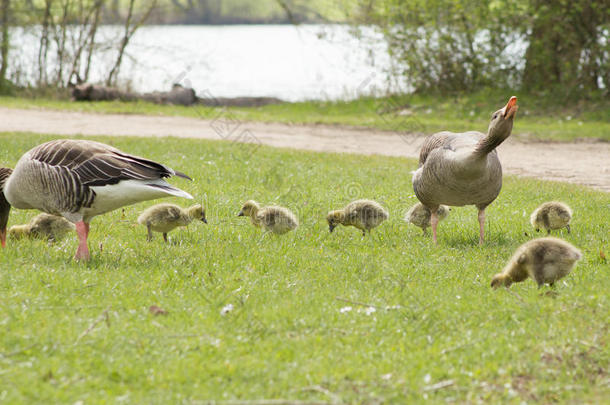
pixel 494 116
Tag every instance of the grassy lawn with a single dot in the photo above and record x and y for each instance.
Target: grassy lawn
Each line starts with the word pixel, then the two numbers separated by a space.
pixel 431 330
pixel 539 118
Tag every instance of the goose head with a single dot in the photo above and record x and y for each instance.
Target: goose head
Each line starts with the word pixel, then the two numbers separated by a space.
pixel 502 120
pixel 500 280
pixel 197 212
pixel 250 208
pixel 334 218
pixel 5 207
pixel 18 231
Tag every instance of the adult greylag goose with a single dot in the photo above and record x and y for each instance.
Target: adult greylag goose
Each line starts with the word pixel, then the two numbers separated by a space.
pixel 80 179
pixel 459 169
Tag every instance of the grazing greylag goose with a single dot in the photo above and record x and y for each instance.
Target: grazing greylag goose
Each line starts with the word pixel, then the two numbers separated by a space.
pixel 42 226
pixel 419 215
pixel 5 207
pixel 165 217
pixel 545 260
pixel 551 215
pixel 80 179
pixel 362 214
pixel 278 220
pixel 463 168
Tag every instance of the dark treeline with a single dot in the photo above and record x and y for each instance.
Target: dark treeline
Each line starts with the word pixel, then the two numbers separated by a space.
pixel 462 45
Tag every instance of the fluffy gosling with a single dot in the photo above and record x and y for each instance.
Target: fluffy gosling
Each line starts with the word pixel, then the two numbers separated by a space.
pixel 278 220
pixel 43 226
pixel 545 260
pixel 362 214
pixel 551 215
pixel 165 217
pixel 419 215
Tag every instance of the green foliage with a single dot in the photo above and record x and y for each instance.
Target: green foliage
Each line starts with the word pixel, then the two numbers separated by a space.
pixel 83 332
pixel 462 45
pixel 569 46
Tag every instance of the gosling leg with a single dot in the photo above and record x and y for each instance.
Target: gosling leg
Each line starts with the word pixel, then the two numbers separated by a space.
pixel 568 227
pixel 165 236
pixel 149 237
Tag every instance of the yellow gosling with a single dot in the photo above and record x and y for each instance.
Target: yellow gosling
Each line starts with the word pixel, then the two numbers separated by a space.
pixel 166 217
pixel 278 220
pixel 43 226
pixel 551 215
pixel 545 260
pixel 362 214
pixel 419 215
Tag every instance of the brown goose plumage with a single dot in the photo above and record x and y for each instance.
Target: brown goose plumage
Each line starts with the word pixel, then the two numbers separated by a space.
pixel 79 179
pixel 5 207
pixel 459 169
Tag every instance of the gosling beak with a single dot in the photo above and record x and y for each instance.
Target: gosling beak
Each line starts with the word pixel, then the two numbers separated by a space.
pixel 511 108
pixel 205 221
pixel 331 227
pixel 241 214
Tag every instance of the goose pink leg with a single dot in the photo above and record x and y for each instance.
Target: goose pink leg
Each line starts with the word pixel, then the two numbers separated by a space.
pixel 3 237
pixel 433 223
pixel 82 252
pixel 481 226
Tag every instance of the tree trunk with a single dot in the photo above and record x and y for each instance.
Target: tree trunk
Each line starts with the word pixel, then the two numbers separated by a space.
pixel 4 45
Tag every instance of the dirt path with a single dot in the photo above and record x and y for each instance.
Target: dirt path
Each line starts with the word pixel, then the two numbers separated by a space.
pixel 581 163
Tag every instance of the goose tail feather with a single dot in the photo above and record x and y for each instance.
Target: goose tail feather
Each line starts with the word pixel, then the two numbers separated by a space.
pixel 171 190
pixel 180 174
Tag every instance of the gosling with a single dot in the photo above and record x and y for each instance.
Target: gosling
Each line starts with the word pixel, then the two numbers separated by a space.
pixel 362 214
pixel 165 217
pixel 551 215
pixel 419 215
pixel 43 226
pixel 545 260
pixel 278 220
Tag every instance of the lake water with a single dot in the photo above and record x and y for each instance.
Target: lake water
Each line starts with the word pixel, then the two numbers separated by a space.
pixel 289 62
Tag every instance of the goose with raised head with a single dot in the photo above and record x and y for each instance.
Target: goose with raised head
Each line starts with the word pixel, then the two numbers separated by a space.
pixel 80 179
pixel 460 169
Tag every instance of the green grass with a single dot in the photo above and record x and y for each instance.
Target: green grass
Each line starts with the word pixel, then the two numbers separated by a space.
pixel 539 118
pixel 83 332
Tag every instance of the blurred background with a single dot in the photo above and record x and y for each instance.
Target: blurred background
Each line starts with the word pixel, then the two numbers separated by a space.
pixel 298 50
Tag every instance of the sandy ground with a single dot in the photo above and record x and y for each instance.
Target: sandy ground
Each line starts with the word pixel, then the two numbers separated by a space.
pixel 581 163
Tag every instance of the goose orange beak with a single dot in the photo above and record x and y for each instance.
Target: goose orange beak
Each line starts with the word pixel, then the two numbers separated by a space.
pixel 511 108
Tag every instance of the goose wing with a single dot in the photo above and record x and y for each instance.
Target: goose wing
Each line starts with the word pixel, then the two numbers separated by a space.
pixel 432 142
pixel 97 164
